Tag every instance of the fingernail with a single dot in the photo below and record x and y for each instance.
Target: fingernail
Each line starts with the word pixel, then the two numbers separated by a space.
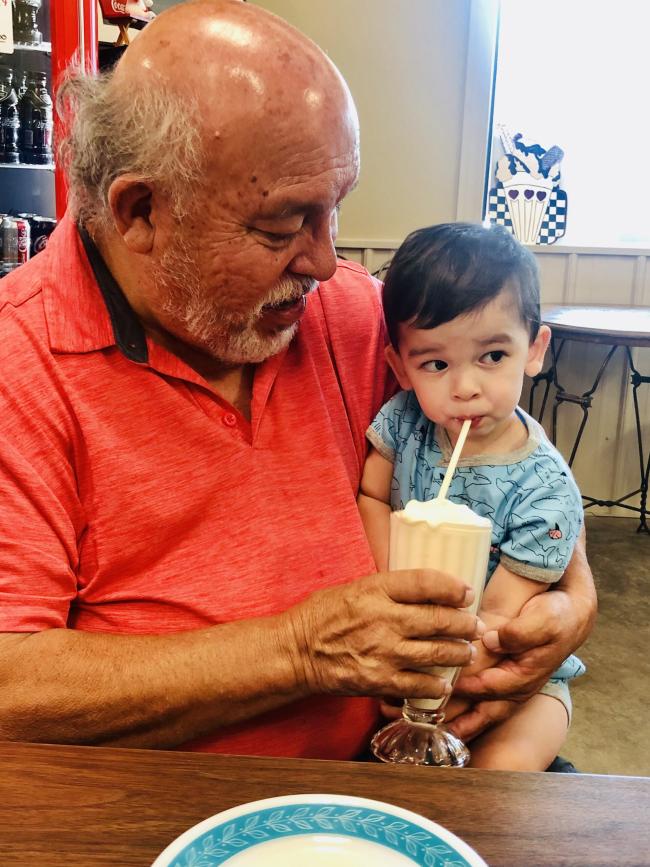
pixel 480 626
pixel 447 689
pixel 469 597
pixel 472 651
pixel 491 640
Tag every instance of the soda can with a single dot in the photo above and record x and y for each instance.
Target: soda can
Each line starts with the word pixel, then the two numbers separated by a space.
pixel 42 228
pixel 9 245
pixel 24 240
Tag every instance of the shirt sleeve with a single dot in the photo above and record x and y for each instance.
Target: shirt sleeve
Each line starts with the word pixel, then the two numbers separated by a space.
pixel 41 518
pixel 544 521
pixel 384 431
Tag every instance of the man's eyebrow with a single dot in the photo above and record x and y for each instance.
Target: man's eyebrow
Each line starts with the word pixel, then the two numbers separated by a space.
pixel 288 209
pixel 291 208
pixel 353 187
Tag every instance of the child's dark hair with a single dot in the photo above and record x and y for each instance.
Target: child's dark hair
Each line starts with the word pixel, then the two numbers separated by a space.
pixel 441 272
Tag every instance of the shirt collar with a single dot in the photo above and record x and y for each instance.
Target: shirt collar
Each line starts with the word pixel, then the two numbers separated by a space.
pixel 127 329
pixel 84 306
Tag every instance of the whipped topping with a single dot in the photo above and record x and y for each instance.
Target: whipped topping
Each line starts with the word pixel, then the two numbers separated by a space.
pixel 434 512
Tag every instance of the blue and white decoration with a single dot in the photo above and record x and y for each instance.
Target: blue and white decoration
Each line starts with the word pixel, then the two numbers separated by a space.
pixel 554 221
pixel 527 199
pixel 305 823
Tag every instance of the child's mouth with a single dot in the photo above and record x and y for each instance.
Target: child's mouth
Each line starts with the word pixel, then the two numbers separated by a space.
pixel 475 419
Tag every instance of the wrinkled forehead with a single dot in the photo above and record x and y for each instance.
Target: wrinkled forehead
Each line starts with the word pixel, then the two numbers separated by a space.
pixel 298 151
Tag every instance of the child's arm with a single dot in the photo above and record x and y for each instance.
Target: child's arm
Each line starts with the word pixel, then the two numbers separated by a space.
pixel 374 505
pixel 507 593
pixel 503 599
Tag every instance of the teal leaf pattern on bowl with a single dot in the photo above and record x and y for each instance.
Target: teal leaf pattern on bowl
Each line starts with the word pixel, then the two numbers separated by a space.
pixel 219 844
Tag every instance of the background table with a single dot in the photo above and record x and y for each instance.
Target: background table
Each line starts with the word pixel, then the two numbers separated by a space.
pixel 617 327
pixel 86 807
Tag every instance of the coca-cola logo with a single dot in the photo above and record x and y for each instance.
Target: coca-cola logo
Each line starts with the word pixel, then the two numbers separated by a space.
pixel 40 243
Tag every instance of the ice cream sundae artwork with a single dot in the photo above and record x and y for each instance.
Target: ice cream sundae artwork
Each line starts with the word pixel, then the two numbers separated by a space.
pixel 527 199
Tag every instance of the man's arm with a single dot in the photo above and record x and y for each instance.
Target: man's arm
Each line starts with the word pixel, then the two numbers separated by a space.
pixel 363 638
pixel 550 627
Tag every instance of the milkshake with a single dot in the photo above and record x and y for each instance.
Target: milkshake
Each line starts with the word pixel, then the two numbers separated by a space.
pixel 439 534
pixel 450 537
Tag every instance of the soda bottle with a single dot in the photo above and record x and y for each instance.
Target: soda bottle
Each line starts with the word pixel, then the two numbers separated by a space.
pixel 25 25
pixel 9 122
pixel 35 111
pixel 20 81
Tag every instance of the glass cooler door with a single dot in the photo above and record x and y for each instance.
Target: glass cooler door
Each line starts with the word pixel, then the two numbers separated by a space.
pixel 39 40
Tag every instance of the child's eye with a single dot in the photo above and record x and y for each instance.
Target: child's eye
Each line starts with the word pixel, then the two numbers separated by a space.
pixel 493 357
pixel 436 365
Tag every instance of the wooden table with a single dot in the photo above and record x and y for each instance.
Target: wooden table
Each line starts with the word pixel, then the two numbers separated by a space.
pixel 89 806
pixel 621 327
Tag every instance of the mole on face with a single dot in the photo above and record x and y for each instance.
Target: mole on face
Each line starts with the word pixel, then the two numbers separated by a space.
pixel 265 193
pixel 254 179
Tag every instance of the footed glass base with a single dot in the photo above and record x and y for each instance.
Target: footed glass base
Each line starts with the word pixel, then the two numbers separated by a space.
pixel 408 741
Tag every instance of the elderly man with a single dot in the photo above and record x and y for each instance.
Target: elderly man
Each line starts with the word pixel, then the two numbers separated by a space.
pixel 187 375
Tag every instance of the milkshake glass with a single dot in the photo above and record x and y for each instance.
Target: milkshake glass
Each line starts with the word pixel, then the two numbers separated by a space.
pixel 437 534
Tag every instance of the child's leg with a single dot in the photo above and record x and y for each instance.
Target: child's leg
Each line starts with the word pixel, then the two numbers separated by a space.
pixel 528 741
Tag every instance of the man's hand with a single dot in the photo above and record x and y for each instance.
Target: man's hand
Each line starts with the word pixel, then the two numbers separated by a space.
pixel 550 627
pixel 368 637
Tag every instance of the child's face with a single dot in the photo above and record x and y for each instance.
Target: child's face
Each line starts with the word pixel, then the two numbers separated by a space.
pixel 472 367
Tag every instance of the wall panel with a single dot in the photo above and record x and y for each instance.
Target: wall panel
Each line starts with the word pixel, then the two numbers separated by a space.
pixel 604 279
pixel 552 273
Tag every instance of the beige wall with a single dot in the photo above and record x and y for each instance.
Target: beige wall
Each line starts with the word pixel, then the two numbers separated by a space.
pixel 404 61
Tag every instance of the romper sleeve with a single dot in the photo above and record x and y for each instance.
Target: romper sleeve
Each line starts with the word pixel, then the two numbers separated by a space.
pixel 384 431
pixel 544 520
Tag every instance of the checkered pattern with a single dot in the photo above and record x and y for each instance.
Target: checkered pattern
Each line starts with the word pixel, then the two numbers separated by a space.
pixel 554 222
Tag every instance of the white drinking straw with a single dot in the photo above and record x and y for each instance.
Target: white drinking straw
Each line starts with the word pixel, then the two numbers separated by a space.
pixel 460 442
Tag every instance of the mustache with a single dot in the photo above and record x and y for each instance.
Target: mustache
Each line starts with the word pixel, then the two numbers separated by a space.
pixel 288 289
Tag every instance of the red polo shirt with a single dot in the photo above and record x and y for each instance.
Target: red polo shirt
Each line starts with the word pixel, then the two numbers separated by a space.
pixel 134 499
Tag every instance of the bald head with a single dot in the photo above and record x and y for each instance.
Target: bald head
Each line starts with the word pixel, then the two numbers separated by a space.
pixel 239 63
pixel 203 84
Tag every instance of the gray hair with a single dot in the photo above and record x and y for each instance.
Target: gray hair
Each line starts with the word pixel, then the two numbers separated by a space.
pixel 147 131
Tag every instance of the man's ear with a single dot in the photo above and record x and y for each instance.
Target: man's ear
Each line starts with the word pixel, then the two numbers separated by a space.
pixel 537 351
pixel 130 201
pixel 394 360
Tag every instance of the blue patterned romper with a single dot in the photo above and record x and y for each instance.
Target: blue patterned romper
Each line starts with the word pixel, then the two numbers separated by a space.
pixel 529 495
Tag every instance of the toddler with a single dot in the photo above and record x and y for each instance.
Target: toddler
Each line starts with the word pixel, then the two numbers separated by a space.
pixel 461 304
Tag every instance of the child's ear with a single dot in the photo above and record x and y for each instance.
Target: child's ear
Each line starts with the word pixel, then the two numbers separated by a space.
pixel 395 362
pixel 537 351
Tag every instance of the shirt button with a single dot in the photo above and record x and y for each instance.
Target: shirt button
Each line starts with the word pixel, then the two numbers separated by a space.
pixel 229 419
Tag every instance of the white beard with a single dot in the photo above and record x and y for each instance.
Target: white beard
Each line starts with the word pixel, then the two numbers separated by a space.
pixel 232 338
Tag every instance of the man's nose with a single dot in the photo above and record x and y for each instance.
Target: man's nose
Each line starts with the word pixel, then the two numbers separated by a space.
pixel 317 255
